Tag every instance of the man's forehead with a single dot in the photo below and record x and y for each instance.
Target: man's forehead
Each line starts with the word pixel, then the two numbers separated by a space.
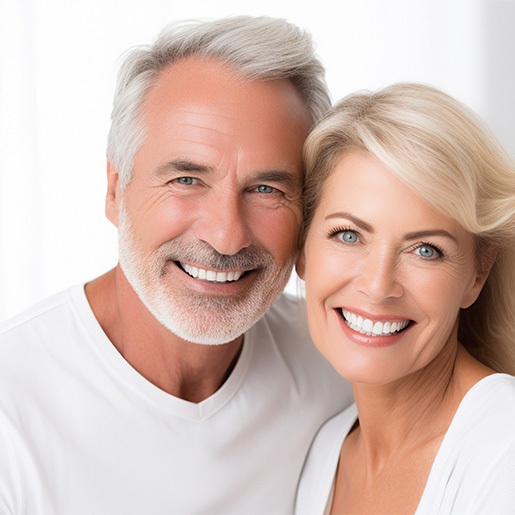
pixel 194 83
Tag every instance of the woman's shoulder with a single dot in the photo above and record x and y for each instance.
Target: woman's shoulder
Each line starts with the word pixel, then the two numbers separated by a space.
pixel 487 412
pixel 478 447
pixel 332 434
pixel 322 461
pixel 493 394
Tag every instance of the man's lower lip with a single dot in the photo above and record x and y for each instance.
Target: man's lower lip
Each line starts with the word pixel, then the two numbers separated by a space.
pixel 207 281
pixel 370 341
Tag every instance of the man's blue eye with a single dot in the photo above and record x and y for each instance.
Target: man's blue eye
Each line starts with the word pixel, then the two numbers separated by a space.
pixel 349 236
pixel 265 189
pixel 185 180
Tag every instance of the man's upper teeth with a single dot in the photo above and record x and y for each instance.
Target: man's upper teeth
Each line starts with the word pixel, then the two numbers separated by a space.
pixel 371 328
pixel 211 275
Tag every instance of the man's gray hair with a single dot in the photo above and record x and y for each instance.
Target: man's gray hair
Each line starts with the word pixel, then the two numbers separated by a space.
pixel 259 48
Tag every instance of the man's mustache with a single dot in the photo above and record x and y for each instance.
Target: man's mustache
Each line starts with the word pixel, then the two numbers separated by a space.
pixel 202 254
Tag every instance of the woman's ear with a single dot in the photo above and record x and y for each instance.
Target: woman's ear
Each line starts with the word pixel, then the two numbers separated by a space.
pixel 112 204
pixel 485 263
pixel 300 265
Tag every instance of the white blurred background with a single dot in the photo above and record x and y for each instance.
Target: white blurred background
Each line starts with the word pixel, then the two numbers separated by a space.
pixel 58 62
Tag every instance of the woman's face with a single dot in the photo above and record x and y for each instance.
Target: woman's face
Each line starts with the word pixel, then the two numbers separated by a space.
pixel 386 274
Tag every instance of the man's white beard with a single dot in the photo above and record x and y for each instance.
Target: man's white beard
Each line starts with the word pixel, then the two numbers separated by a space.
pixel 192 316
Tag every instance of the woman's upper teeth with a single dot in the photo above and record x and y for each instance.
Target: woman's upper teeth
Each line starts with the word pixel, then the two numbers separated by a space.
pixel 370 328
pixel 211 275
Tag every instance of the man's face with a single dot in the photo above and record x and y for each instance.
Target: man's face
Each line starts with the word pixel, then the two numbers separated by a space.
pixel 209 222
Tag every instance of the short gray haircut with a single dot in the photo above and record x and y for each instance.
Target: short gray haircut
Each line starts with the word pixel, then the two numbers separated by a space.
pixel 258 48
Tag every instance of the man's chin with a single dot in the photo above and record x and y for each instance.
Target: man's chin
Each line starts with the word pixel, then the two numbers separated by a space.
pixel 215 333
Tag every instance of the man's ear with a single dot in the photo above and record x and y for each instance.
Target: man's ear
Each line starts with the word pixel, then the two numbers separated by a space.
pixel 113 196
pixel 300 265
pixel 487 260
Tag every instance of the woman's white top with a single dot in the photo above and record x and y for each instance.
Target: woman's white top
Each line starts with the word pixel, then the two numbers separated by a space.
pixel 474 469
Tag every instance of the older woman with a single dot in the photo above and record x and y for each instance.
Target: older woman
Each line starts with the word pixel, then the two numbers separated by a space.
pixel 409 264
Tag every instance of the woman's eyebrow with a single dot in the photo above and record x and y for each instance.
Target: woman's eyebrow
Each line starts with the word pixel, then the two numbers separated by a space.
pixel 357 221
pixel 435 232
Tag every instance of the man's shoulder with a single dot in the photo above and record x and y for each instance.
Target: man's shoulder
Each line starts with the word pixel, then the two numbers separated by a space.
pixel 285 326
pixel 288 313
pixel 45 316
pixel 286 323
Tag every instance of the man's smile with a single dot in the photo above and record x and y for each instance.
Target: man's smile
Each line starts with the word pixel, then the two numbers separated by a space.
pixel 211 275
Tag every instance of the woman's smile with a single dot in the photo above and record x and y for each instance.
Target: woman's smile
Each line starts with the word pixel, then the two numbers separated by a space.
pixel 370 327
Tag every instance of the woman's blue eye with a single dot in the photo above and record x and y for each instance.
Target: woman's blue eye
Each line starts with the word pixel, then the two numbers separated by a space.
pixel 428 252
pixel 348 236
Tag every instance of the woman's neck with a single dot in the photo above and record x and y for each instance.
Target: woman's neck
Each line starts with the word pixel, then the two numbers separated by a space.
pixel 416 410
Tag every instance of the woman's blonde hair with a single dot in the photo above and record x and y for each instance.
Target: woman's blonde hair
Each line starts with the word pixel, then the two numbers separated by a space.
pixel 442 150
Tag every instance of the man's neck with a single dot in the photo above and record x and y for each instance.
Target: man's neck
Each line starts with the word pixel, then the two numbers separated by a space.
pixel 186 370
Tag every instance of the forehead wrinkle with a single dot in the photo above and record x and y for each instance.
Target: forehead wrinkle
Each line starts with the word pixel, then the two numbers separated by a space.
pixel 202 119
pixel 201 127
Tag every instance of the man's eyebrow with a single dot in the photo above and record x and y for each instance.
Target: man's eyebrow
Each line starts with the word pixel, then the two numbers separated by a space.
pixel 285 177
pixel 357 221
pixel 182 165
pixel 185 165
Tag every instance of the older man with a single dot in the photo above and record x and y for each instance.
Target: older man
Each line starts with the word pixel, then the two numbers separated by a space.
pixel 181 381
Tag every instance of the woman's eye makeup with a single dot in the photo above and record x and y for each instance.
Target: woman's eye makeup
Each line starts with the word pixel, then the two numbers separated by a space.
pixel 349 236
pixel 344 234
pixel 429 251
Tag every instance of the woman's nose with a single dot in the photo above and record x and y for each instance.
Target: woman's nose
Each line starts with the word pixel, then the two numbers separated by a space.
pixel 378 277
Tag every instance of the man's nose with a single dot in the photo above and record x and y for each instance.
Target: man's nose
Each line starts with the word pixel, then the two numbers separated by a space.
pixel 223 224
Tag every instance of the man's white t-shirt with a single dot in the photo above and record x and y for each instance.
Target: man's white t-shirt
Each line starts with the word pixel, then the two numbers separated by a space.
pixel 81 432
pixel 474 469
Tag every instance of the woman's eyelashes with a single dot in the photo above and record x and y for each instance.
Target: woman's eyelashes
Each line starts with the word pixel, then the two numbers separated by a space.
pixel 423 249
pixel 428 251
pixel 344 234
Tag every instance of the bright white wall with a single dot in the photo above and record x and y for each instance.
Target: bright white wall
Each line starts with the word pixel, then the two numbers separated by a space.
pixel 57 70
